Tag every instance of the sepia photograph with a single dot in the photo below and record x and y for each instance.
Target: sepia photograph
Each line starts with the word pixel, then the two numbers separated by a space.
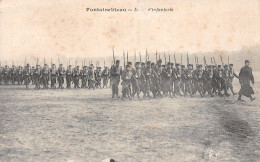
pixel 129 80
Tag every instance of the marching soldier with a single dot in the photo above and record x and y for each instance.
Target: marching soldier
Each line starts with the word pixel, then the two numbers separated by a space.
pixel 126 81
pixel 245 77
pixel 37 75
pixel 84 77
pixel 20 75
pixel 167 80
pixel 188 80
pixel 13 74
pixel 6 74
pixel 136 80
pixel 31 75
pixel 69 74
pixel 76 76
pixel 45 75
pixel 26 74
pixel 1 74
pixel 53 72
pixel 198 81
pixel 98 77
pixel 61 73
pixel 115 78
pixel 177 80
pixel 232 74
pixel 91 77
pixel 105 76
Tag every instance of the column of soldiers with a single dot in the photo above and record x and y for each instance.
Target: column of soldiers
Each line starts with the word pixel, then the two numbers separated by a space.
pixel 149 79
pixel 52 77
pixel 157 80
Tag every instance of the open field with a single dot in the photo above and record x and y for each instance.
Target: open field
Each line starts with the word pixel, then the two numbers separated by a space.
pixel 86 125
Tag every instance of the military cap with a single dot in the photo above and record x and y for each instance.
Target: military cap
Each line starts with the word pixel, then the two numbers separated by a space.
pixel 160 61
pixel 247 61
pixel 177 64
pixel 143 63
pixel 219 65
pixel 53 64
pixel 190 65
pixel 148 62
pixel 225 66
pixel 129 63
pixel 168 63
pixel 137 63
pixel 199 66
pixel 28 64
pixel 172 64
pixel 60 64
pixel 183 66
pixel 230 64
pixel 117 61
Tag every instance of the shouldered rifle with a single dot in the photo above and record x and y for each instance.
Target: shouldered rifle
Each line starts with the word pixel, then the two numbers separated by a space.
pixel 188 61
pixel 124 58
pixel 174 59
pixel 114 56
pixel 221 61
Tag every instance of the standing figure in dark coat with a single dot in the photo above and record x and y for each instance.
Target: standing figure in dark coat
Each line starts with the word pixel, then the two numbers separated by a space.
pixel 115 78
pixel 61 73
pixel 53 72
pixel 245 76
pixel 105 76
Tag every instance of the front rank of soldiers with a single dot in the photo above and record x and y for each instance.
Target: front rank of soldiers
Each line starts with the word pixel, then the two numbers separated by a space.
pixel 52 77
pixel 141 79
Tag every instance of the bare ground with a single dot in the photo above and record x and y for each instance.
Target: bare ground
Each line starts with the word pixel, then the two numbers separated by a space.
pixel 86 125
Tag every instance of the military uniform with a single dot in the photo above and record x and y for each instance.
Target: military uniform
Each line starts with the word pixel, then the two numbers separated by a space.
pixel 245 77
pixel 76 76
pixel 53 72
pixel 105 76
pixel 26 74
pixel 61 73
pixel 167 80
pixel 84 77
pixel 115 78
pixel 37 75
pixel 45 75
pixel 69 73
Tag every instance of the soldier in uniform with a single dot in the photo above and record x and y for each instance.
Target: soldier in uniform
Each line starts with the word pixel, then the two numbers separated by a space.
pixel 136 80
pixel 207 83
pixel 115 78
pixel 76 76
pixel 98 77
pixel 26 74
pixel 177 80
pixel 37 75
pixel 91 77
pixel 84 77
pixel 188 80
pixel 127 75
pixel 69 73
pixel 31 75
pixel 53 72
pixel 6 74
pixel 105 76
pixel 167 80
pixel 245 77
pixel 198 81
pixel 61 73
pixel 1 74
pixel 232 74
pixel 13 74
pixel 149 74
pixel 19 75
pixel 45 75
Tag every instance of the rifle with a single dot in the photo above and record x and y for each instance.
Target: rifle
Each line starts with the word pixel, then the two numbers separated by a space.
pixel 205 63
pixel 104 63
pixel 164 58
pixel 156 56
pixel 140 57
pixel 69 61
pixel 228 62
pixel 37 61
pixel 169 57
pixel 146 56
pixel 114 56
pixel 181 59
pixel 135 57
pixel 174 59
pixel 44 61
pixel 124 57
pixel 188 61
pixel 211 61
pixel 51 61
pixel 221 61
pixel 127 57
pixel 59 60
pixel 214 61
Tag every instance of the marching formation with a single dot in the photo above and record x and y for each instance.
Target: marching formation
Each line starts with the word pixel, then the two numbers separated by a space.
pixel 149 79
